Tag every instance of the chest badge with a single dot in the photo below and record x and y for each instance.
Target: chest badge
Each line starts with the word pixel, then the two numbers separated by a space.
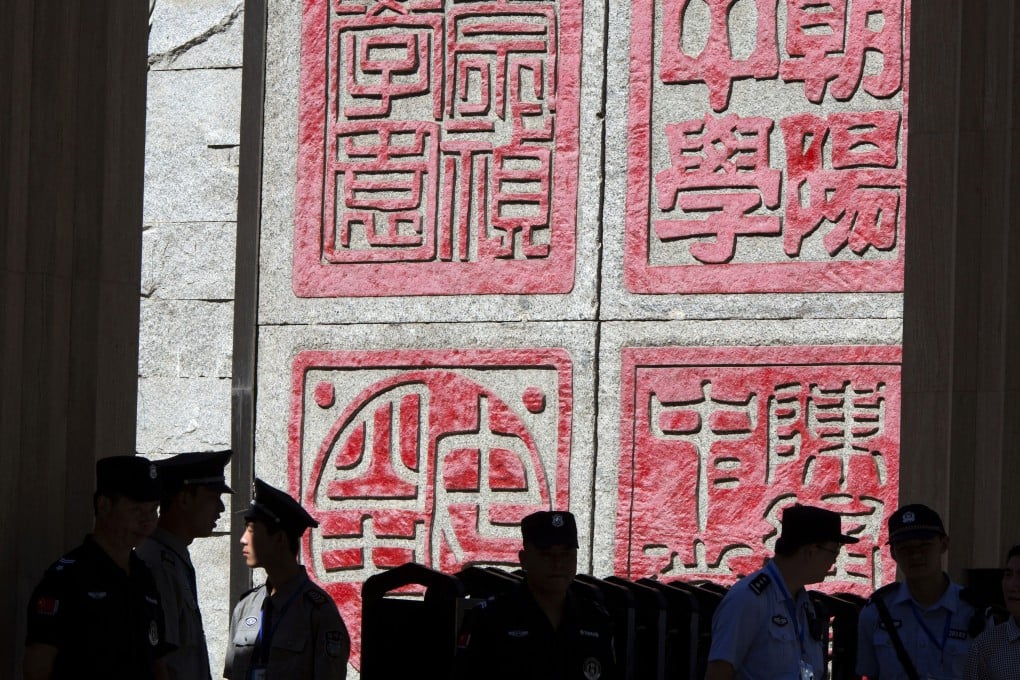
pixel 592 668
pixel 250 621
pixel 780 620
pixel 153 634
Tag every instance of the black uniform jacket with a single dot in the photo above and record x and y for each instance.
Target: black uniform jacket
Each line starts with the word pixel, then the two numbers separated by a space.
pixel 510 637
pixel 104 622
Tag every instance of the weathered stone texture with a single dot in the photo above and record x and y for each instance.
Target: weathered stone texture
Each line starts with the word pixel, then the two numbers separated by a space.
pixel 191 146
pixel 188 261
pixel 185 339
pixel 177 415
pixel 195 34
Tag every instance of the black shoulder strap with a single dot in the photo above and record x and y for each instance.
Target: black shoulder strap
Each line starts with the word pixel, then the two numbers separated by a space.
pixel 894 635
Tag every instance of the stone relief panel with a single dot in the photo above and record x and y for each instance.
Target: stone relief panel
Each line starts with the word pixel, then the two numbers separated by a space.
pixel 430 456
pixel 718 440
pixel 766 146
pixel 438 148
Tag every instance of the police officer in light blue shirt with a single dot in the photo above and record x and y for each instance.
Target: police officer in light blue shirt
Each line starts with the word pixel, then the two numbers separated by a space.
pixel 934 619
pixel 766 626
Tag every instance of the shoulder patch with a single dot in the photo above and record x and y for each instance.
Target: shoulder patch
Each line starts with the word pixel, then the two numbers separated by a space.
pixel 317 597
pixel 759 583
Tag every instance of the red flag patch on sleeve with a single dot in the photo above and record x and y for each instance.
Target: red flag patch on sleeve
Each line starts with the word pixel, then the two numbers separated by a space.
pixel 47 605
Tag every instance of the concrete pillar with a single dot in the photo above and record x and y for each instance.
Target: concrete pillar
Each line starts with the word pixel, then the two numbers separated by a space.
pixel 72 128
pixel 960 450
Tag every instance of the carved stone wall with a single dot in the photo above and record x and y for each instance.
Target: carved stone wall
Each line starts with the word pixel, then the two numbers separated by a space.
pixel 646 265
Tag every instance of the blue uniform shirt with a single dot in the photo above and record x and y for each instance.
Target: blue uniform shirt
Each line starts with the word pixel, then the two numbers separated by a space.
pixel 753 631
pixel 946 621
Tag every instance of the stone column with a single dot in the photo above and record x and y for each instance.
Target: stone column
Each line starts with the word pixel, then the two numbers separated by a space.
pixel 72 127
pixel 959 447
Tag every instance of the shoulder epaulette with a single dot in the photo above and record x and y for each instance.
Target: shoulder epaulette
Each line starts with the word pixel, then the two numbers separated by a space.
pixel 759 583
pixel 885 591
pixel 317 597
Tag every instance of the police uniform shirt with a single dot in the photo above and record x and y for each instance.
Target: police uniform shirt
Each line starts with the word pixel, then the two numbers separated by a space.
pixel 511 637
pixel 168 558
pixel 305 636
pixel 946 621
pixel 752 630
pixel 104 622
pixel 995 654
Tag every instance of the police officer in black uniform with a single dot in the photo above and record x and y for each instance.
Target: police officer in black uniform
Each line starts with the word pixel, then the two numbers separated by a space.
pixel 542 629
pixel 97 613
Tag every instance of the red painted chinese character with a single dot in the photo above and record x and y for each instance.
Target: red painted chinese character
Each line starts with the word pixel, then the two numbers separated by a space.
pixel 716 441
pixel 860 194
pixel 720 167
pixel 414 456
pixel 715 65
pixel 430 134
pixel 828 40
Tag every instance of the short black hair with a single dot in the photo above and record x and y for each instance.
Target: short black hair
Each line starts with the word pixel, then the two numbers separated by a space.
pixel 1013 552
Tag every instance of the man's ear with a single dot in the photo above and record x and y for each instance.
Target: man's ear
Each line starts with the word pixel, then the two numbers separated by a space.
pixel 103 504
pixel 281 541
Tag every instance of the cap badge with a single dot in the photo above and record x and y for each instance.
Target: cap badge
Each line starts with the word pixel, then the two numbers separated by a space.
pixel 557 520
pixel 152 472
pixel 908 517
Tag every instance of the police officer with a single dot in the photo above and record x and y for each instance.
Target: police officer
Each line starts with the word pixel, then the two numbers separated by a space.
pixel 190 505
pixel 922 627
pixel 542 629
pixel 766 626
pixel 96 613
pixel 288 627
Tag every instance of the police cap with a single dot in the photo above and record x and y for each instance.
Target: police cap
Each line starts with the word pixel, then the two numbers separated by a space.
pixel 548 528
pixel 133 477
pixel 804 525
pixel 915 521
pixel 277 509
pixel 195 469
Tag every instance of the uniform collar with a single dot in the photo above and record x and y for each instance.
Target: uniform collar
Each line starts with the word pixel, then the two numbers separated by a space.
pixel 171 541
pixel 773 572
pixel 950 599
pixel 285 591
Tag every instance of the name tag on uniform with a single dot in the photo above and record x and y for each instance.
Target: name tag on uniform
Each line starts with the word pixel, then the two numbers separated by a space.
pixel 955 634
